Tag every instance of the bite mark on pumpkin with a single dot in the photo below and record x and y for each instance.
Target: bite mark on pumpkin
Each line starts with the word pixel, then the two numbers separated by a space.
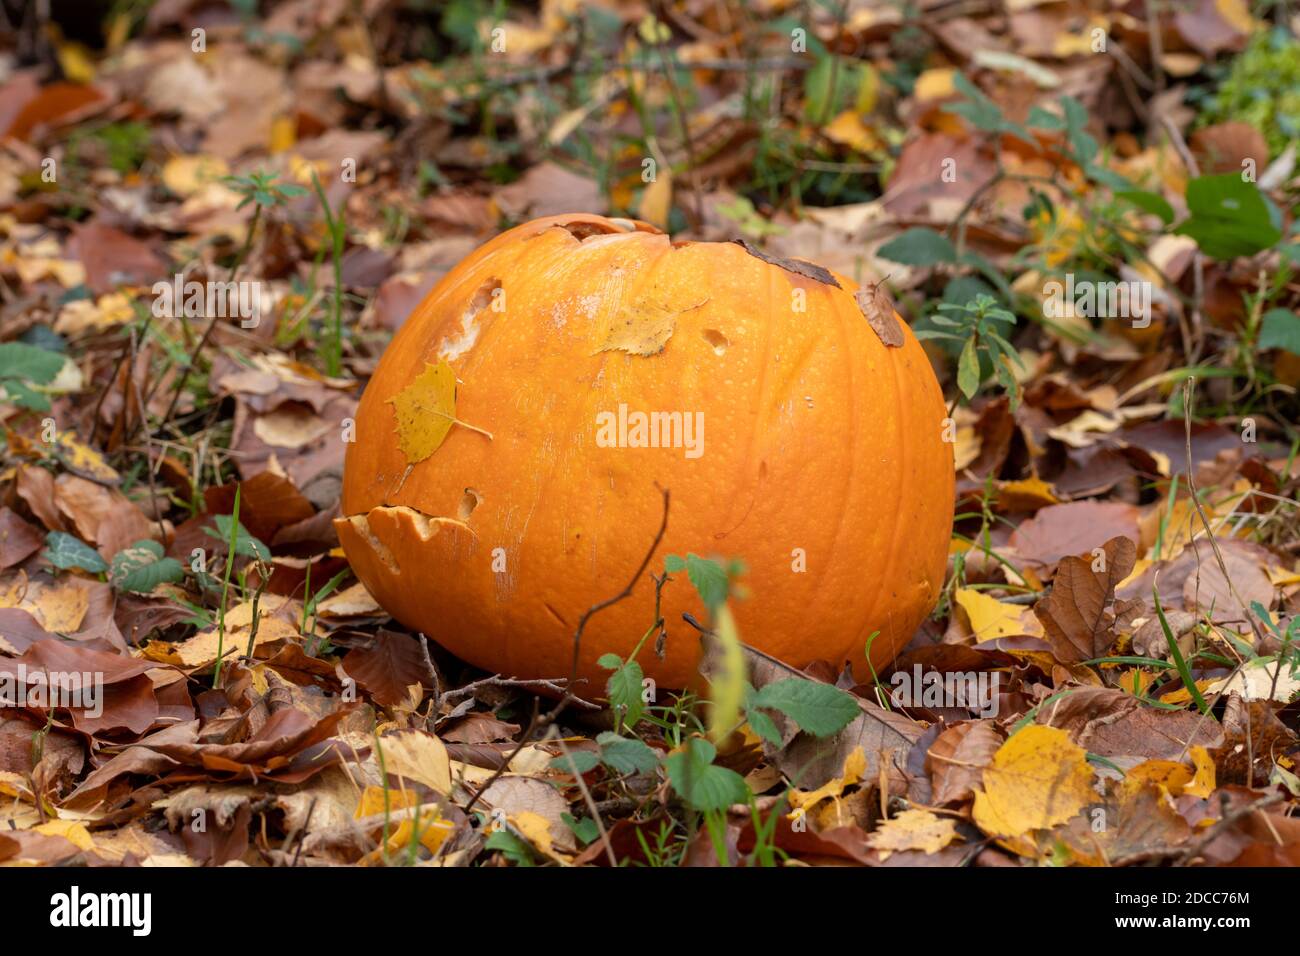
pixel 716 339
pixel 361 525
pixel 585 230
pixel 468 502
pixel 426 526
pixel 471 323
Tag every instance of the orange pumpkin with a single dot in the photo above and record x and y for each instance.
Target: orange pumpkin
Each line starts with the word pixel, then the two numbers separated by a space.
pixel 804 445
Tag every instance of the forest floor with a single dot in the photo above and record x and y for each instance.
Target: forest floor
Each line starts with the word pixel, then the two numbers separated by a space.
pixel 1124 578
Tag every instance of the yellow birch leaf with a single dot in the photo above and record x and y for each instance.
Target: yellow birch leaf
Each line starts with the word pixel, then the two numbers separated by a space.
pixel 76 61
pixel 419 757
pixel 1037 779
pixel 854 767
pixel 1203 783
pixel 913 830
pixel 1170 774
pixel 1026 494
pixel 934 84
pixel 967 447
pixel 1236 13
pixel 847 129
pixel 426 410
pixel 644 324
pixel 186 176
pixel 72 831
pixel 284 133
pixel 990 618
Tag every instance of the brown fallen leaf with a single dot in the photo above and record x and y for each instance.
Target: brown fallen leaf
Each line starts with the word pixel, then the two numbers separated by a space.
pixel 1111 723
pixel 913 830
pixel 1077 527
pixel 19 539
pixel 957 758
pixel 1074 615
pixel 878 308
pixel 102 516
pixel 809 270
pixel 390 665
pixel 811 762
pixel 112 258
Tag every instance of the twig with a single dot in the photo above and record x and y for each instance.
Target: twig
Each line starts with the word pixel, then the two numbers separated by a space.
pixel 148 436
pixel 302 834
pixel 496 680
pixel 1157 46
pixel 538 722
pixel 1227 820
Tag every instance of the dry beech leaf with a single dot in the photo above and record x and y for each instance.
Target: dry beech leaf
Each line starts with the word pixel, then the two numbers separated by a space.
pixel 391 664
pixel 957 759
pixel 990 618
pixel 808 270
pixel 1074 614
pixel 417 756
pixel 878 308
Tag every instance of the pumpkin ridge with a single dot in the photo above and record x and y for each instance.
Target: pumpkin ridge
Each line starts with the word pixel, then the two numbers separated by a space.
pixel 583 407
pixel 854 427
pixel 896 493
pixel 562 256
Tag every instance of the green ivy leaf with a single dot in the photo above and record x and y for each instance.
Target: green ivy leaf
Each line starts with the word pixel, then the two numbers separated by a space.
pixel 819 709
pixel 516 850
pixel 24 366
pixel 585 829
pixel 141 567
pixel 66 552
pixel 699 783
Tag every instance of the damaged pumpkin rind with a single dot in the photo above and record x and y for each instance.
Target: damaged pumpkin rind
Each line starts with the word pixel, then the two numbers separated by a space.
pixel 821 461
